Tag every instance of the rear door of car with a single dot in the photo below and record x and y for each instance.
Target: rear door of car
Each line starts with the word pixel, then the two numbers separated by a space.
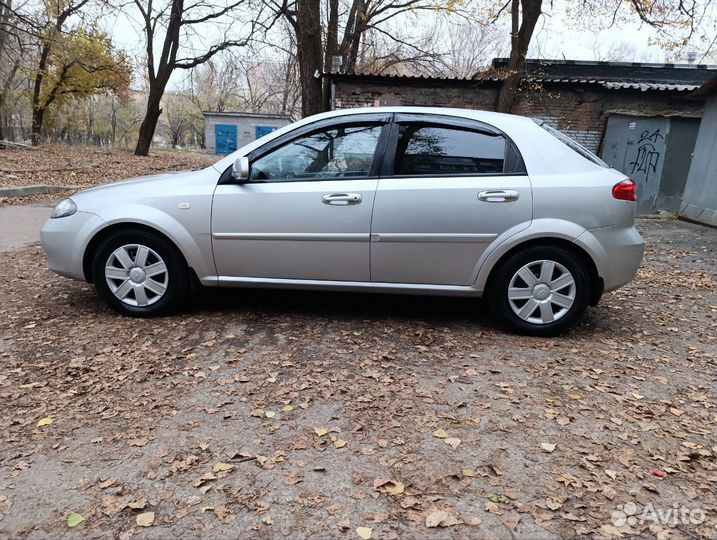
pixel 305 212
pixel 448 188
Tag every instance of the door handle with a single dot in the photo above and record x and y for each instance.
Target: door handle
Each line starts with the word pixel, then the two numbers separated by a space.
pixel 341 199
pixel 498 195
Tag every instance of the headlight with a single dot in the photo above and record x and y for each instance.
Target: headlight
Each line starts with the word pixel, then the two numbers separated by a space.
pixel 64 208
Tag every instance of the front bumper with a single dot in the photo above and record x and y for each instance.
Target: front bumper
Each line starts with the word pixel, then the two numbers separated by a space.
pixel 64 241
pixel 617 252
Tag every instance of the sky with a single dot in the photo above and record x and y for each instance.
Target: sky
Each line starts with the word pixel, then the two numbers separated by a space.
pixel 556 36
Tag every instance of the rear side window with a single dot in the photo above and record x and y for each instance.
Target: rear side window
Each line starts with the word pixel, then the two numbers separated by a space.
pixel 434 150
pixel 573 145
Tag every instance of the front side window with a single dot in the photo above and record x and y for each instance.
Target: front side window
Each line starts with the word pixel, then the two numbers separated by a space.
pixel 339 152
pixel 434 150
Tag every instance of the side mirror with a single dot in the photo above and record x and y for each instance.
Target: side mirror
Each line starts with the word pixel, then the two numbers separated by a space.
pixel 240 169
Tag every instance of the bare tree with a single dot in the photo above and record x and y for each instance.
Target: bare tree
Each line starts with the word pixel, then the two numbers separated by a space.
pixel 524 17
pixel 177 21
pixel 345 27
pixel 675 21
pixel 177 120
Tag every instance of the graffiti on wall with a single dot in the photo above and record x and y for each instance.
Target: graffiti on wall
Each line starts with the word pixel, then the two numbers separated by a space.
pixel 647 156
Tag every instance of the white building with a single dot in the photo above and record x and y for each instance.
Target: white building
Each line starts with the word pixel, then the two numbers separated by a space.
pixel 224 132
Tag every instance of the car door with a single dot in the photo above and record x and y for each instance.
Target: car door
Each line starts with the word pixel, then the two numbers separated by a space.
pixel 305 212
pixel 448 188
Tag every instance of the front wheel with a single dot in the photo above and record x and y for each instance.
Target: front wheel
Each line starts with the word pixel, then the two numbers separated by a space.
pixel 140 274
pixel 540 291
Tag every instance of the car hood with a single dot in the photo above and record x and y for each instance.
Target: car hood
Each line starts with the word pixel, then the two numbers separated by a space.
pixel 135 188
pixel 133 184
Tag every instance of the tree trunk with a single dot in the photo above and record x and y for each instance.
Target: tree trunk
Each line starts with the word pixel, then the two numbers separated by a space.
pixel 521 34
pixel 309 55
pixel 38 116
pixel 149 124
pixel 38 112
pixel 332 49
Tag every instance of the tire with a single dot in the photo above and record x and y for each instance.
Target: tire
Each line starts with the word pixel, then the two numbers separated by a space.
pixel 542 305
pixel 140 274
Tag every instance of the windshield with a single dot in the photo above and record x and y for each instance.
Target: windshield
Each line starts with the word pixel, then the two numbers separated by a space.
pixel 570 143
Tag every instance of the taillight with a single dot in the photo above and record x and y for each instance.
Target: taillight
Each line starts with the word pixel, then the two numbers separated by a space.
pixel 625 191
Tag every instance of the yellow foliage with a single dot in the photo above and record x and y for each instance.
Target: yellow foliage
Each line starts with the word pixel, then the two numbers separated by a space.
pixel 82 63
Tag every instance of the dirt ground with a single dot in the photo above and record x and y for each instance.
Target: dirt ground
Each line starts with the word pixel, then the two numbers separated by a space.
pixel 284 414
pixel 61 165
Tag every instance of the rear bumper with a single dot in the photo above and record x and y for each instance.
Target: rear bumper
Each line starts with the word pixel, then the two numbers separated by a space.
pixel 64 241
pixel 617 252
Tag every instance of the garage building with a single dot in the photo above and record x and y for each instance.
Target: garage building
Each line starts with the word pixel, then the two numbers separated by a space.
pixel 226 131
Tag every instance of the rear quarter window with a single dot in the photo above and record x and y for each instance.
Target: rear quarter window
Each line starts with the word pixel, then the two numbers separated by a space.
pixel 572 144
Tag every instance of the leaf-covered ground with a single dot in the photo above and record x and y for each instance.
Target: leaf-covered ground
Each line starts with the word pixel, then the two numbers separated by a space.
pixel 284 414
pixel 61 165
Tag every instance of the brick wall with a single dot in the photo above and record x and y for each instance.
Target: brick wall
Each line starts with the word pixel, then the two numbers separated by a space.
pixel 367 95
pixel 581 114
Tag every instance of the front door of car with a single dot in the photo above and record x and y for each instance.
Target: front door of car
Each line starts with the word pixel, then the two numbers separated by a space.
pixel 305 212
pixel 448 188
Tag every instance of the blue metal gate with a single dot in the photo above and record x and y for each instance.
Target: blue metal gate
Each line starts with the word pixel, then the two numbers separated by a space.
pixel 225 137
pixel 263 130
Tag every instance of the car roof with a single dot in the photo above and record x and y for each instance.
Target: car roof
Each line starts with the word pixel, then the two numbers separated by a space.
pixel 485 116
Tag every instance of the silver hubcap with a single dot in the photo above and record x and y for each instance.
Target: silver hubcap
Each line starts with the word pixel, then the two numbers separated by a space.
pixel 541 292
pixel 136 275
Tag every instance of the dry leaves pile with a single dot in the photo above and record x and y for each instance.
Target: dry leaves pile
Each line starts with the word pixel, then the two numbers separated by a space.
pixel 261 414
pixel 60 165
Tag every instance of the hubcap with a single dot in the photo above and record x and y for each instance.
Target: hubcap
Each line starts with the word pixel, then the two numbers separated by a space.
pixel 541 292
pixel 136 275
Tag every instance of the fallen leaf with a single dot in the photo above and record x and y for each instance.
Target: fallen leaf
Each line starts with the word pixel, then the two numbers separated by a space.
pixel 553 503
pixel 74 519
pixel 469 473
pixel 219 467
pixel 363 532
pixel 287 408
pixel 138 442
pixel 270 414
pixel 452 442
pixel 395 488
pixel 548 447
pixel 45 421
pixel 320 431
pixel 145 519
pixel 440 433
pixel 224 514
pixel 440 518
pixel 339 443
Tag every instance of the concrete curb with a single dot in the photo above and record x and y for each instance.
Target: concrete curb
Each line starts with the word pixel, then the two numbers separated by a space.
pixel 27 191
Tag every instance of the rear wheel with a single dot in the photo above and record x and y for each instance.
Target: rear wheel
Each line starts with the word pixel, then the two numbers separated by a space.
pixel 140 274
pixel 540 291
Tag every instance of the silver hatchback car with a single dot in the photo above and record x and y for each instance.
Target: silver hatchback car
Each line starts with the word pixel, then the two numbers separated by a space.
pixel 391 199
